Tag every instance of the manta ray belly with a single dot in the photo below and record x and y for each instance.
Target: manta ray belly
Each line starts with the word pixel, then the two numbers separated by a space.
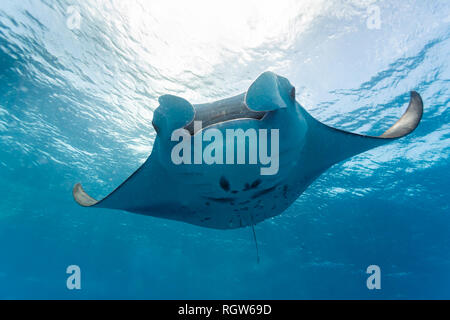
pixel 224 195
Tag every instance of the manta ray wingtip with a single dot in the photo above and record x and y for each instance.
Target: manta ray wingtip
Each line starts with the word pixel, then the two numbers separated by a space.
pixel 81 197
pixel 415 94
pixel 410 119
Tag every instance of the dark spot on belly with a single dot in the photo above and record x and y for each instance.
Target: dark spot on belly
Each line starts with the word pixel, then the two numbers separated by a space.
pixel 207 203
pixel 234 191
pixel 224 184
pixel 255 184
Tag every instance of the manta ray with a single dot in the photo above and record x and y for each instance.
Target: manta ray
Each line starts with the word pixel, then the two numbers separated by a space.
pixel 236 194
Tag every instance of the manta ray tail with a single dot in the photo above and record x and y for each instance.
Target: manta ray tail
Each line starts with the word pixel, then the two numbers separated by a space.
pixel 256 242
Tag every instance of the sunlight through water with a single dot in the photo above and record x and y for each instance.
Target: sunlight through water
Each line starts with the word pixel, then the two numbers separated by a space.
pixel 80 81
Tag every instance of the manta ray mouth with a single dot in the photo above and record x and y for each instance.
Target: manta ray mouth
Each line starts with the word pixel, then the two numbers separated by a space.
pixel 229 109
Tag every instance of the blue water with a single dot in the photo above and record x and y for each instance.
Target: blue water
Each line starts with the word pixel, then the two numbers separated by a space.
pixel 77 95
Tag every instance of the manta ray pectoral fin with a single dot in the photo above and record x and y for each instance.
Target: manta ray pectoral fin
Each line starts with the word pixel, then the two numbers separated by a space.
pixel 333 145
pixel 131 193
pixel 81 197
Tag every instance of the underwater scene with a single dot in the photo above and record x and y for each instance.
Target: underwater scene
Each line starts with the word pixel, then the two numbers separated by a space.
pixel 356 206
